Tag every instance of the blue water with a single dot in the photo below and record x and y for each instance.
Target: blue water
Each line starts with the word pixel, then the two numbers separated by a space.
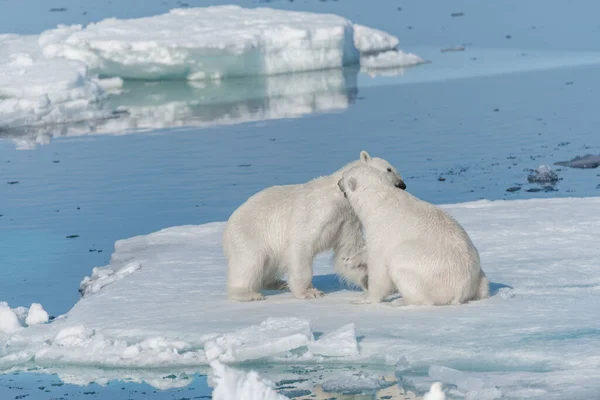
pixel 468 126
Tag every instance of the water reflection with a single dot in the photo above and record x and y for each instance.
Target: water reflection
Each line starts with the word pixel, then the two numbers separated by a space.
pixel 144 105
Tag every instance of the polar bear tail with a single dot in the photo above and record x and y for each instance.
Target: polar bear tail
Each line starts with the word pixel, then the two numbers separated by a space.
pixel 483 290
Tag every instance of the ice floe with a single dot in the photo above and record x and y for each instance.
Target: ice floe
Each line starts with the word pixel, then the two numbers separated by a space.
pixel 541 340
pixel 52 78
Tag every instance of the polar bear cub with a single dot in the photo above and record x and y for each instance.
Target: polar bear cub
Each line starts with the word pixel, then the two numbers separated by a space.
pixel 412 246
pixel 281 229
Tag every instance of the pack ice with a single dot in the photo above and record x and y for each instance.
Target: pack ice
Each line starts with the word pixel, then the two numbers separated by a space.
pixel 52 78
pixel 161 303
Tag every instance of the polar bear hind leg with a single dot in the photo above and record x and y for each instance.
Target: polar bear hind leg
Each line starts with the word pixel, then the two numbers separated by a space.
pixel 244 280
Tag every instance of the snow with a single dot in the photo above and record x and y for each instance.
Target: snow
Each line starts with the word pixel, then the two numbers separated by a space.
pixel 52 78
pixel 231 384
pixel 36 315
pixel 536 336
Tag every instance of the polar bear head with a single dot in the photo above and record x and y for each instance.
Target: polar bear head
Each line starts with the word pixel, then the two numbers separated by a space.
pixel 379 164
pixel 363 178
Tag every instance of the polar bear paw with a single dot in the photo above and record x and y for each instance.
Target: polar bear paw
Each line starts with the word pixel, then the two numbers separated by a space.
pixel 362 299
pixel 311 293
pixel 246 296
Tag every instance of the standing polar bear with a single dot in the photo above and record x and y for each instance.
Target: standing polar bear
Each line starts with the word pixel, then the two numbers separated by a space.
pixel 281 229
pixel 412 246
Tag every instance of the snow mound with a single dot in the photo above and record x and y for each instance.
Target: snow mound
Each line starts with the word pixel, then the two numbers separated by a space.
pixel 543 174
pixel 36 315
pixel 9 322
pixel 231 384
pixel 103 276
pixel 173 313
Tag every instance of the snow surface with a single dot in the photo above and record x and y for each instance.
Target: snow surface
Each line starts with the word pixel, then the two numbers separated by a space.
pixel 231 384
pixel 11 320
pixel 538 340
pixel 53 78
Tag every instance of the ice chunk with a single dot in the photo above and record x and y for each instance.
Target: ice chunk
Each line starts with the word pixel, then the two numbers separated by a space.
pixel 38 91
pixel 36 315
pixel 231 384
pixel 339 343
pixel 543 174
pixel 370 41
pixel 582 162
pixel 103 276
pixel 475 388
pixel 273 336
pixel 435 393
pixel 390 59
pixel 355 384
pixel 9 322
pixel 81 345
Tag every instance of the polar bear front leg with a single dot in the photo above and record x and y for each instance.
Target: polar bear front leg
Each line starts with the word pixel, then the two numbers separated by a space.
pixel 380 284
pixel 300 275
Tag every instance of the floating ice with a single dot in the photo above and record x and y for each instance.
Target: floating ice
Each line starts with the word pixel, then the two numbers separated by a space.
pixel 51 78
pixel 582 162
pixel 173 313
pixel 543 174
pixel 231 384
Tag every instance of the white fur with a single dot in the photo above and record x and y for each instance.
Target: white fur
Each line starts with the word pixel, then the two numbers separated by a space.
pixel 412 246
pixel 281 229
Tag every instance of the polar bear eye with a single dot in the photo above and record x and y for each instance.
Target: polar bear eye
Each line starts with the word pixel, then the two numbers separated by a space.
pixel 389 170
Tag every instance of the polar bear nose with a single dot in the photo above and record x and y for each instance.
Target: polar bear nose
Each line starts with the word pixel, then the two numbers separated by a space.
pixel 401 185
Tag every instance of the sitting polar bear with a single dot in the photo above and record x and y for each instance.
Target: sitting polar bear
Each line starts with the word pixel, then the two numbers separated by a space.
pixel 281 229
pixel 412 246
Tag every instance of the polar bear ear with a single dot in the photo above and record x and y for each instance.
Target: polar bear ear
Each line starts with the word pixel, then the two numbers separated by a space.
pixel 364 156
pixel 352 184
